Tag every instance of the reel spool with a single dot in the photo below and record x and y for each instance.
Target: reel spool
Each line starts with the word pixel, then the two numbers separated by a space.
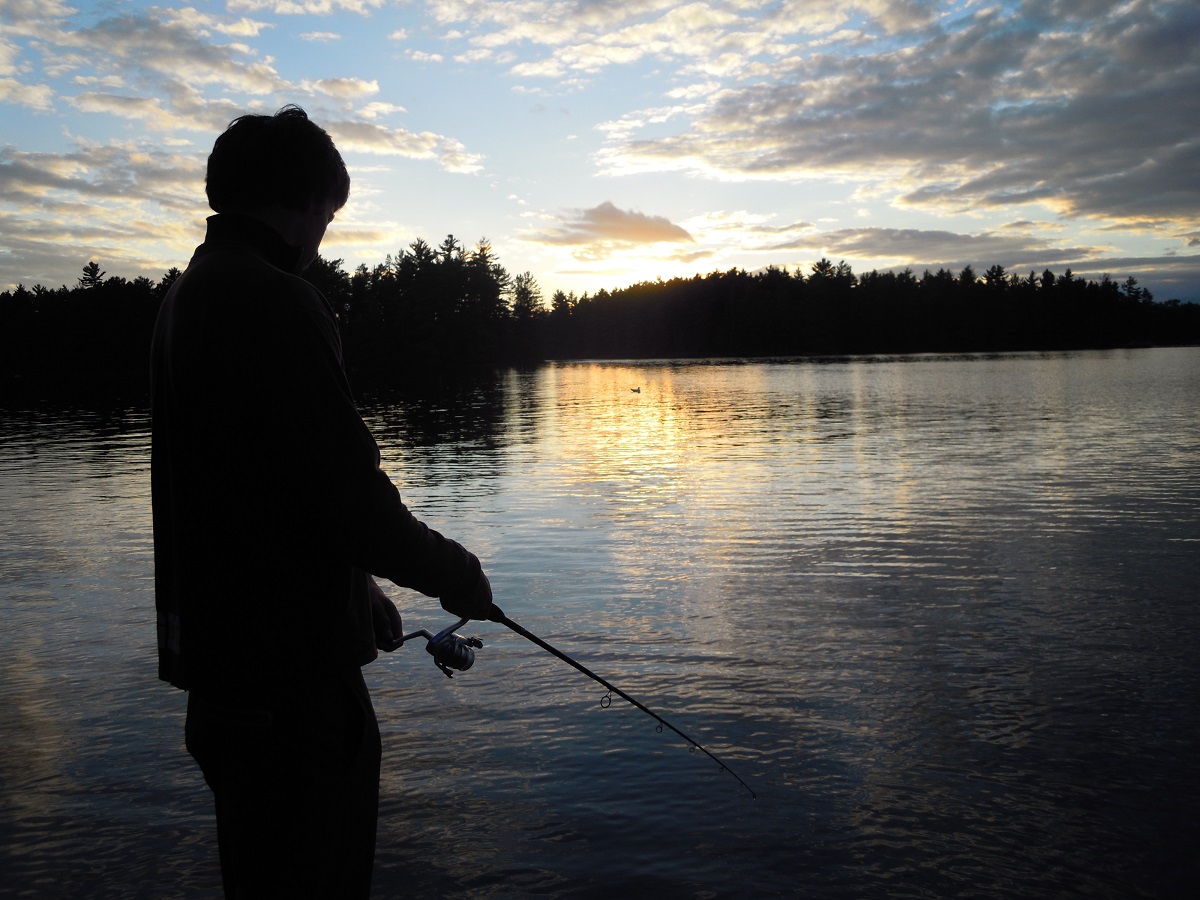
pixel 449 650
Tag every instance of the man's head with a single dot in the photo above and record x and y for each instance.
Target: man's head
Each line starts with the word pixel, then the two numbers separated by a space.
pixel 285 160
pixel 283 169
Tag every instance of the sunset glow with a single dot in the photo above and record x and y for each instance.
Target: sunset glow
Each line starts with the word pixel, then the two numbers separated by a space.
pixel 600 144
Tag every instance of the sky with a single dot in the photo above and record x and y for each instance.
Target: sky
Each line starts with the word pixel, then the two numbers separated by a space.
pixel 598 144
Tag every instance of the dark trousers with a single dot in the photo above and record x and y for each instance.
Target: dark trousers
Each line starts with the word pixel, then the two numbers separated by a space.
pixel 295 777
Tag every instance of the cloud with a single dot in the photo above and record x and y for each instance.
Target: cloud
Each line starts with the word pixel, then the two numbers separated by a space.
pixel 204 24
pixel 305 7
pixel 1170 277
pixel 585 37
pixel 15 91
pixel 997 111
pixel 242 28
pixel 735 238
pixel 368 137
pixel 320 37
pixel 139 211
pixel 33 18
pixel 175 46
pixel 1014 247
pixel 46 182
pixel 9 53
pixel 344 88
pixel 693 91
pixel 737 234
pixel 376 109
pixel 938 247
pixel 691 257
pixel 598 231
pixel 52 255
pixel 149 113
pixel 33 96
pixel 715 38
pixel 741 232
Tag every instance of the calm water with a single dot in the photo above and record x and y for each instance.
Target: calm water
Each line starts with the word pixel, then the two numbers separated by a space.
pixel 940 614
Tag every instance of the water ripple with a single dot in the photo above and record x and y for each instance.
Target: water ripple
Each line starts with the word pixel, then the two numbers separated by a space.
pixel 938 612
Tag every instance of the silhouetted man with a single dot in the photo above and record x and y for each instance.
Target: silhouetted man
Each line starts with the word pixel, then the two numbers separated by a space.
pixel 270 515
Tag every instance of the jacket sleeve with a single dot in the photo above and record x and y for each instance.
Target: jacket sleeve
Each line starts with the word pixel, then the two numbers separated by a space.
pixel 331 479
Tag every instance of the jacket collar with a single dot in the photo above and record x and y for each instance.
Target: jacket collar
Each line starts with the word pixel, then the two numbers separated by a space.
pixel 234 228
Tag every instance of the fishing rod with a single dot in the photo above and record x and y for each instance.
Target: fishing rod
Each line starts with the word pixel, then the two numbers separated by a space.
pixel 453 651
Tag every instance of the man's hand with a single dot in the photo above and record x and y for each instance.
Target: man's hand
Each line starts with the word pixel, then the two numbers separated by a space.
pixel 475 604
pixel 385 617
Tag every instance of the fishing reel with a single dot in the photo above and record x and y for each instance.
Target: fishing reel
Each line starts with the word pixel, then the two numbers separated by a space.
pixel 449 650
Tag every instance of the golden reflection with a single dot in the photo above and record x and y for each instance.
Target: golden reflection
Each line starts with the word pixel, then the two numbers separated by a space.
pixel 619 422
pixel 655 453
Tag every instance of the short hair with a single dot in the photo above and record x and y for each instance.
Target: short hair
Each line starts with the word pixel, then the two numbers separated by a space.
pixel 281 160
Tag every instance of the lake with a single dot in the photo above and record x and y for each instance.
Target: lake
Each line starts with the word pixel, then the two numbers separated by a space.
pixel 938 612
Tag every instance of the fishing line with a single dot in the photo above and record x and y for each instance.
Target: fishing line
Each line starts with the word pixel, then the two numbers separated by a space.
pixel 453 651
pixel 498 616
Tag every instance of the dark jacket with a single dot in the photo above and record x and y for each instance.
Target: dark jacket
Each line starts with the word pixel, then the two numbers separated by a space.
pixel 269 503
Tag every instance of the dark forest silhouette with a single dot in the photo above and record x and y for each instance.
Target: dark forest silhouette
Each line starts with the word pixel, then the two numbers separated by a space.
pixel 447 305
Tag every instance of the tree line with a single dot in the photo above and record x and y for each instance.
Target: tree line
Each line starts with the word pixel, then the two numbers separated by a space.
pixel 832 311
pixel 452 305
